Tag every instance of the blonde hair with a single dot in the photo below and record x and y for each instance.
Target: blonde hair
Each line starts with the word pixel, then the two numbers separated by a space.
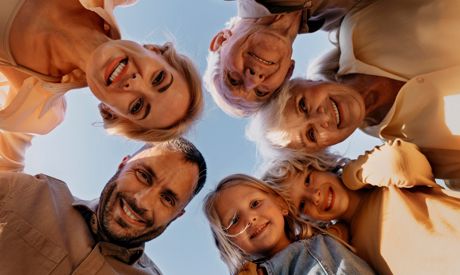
pixel 185 67
pixel 265 129
pixel 230 253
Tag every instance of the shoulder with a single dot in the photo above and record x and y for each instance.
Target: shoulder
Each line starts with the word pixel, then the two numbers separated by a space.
pixel 12 183
pixel 146 263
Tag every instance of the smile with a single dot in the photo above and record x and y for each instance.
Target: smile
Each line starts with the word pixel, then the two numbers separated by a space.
pixel 336 112
pixel 267 62
pixel 115 70
pixel 330 200
pixel 258 230
pixel 130 213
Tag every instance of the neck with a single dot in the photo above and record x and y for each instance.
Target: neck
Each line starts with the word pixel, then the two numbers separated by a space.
pixel 378 93
pixel 321 6
pixel 62 35
pixel 286 24
pixel 355 199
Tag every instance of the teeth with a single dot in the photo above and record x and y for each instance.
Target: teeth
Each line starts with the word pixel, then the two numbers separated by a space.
pixel 128 212
pixel 336 111
pixel 261 60
pixel 117 71
pixel 329 201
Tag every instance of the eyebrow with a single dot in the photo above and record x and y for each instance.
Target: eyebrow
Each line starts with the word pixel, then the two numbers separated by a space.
pixel 165 87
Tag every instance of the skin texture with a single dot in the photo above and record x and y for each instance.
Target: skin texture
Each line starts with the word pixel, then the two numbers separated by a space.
pixel 321 196
pixel 310 118
pixel 54 30
pixel 256 55
pixel 149 192
pixel 260 213
pixel 148 91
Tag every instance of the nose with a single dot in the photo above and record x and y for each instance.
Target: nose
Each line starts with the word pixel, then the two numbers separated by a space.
pixel 314 196
pixel 252 78
pixel 147 197
pixel 132 81
pixel 321 117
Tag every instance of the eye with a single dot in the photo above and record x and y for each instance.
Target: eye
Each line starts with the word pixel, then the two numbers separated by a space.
pixel 168 199
pixel 303 106
pixel 233 222
pixel 311 135
pixel 261 93
pixel 136 106
pixel 255 203
pixel 158 79
pixel 144 176
pixel 233 80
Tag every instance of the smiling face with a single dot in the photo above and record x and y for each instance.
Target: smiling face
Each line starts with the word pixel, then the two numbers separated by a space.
pixel 138 84
pixel 255 61
pixel 320 114
pixel 255 219
pixel 150 191
pixel 319 195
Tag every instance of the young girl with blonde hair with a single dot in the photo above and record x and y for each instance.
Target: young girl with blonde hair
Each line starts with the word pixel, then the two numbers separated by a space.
pixel 400 221
pixel 252 222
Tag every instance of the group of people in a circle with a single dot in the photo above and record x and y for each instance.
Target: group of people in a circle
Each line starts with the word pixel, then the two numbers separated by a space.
pixel 391 74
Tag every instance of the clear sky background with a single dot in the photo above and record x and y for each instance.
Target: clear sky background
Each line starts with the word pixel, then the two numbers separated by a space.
pixel 85 157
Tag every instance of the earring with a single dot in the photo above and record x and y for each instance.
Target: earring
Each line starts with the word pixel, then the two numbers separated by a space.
pixel 285 212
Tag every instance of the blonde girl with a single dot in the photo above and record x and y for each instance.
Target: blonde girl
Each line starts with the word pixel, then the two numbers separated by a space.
pixel 400 220
pixel 252 222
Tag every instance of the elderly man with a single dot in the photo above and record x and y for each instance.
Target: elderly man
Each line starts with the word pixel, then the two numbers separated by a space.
pixel 45 230
pixel 251 59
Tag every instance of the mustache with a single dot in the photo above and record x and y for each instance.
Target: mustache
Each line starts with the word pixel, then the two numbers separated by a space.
pixel 141 212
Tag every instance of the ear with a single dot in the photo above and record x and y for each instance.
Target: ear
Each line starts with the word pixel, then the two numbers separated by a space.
pixel 219 39
pixel 123 162
pixel 154 48
pixel 182 212
pixel 106 112
pixel 290 70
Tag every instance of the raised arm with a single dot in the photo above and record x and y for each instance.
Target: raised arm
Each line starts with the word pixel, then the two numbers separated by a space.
pixel 396 163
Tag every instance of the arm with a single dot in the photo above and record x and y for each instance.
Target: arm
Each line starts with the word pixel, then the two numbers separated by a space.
pixel 12 150
pixel 396 163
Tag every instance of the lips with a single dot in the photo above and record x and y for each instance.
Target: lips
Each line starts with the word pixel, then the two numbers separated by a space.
pixel 130 215
pixel 330 199
pixel 115 70
pixel 258 230
pixel 260 59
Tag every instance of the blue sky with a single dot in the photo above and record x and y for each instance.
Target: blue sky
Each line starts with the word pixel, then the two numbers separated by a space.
pixel 83 155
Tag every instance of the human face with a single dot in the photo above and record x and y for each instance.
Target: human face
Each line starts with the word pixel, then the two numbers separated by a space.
pixel 138 84
pixel 319 195
pixel 255 60
pixel 320 114
pixel 259 212
pixel 150 191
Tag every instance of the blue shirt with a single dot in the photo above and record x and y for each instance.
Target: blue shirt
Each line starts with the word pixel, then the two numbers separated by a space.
pixel 320 254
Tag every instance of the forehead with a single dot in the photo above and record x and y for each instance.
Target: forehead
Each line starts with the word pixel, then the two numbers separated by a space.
pixel 170 168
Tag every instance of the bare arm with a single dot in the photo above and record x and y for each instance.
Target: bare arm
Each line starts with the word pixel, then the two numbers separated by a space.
pixel 397 163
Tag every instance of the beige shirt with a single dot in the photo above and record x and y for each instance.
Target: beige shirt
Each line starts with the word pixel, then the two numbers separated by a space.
pixel 44 230
pixel 416 42
pixel 38 106
pixel 403 226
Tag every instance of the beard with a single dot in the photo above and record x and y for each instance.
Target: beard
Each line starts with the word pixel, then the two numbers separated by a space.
pixel 116 230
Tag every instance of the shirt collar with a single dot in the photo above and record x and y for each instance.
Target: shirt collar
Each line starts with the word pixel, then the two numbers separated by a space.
pixel 88 210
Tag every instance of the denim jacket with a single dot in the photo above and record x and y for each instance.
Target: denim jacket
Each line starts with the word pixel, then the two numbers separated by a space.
pixel 320 254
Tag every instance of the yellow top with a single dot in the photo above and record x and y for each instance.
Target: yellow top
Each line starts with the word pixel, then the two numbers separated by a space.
pixel 38 106
pixel 403 226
